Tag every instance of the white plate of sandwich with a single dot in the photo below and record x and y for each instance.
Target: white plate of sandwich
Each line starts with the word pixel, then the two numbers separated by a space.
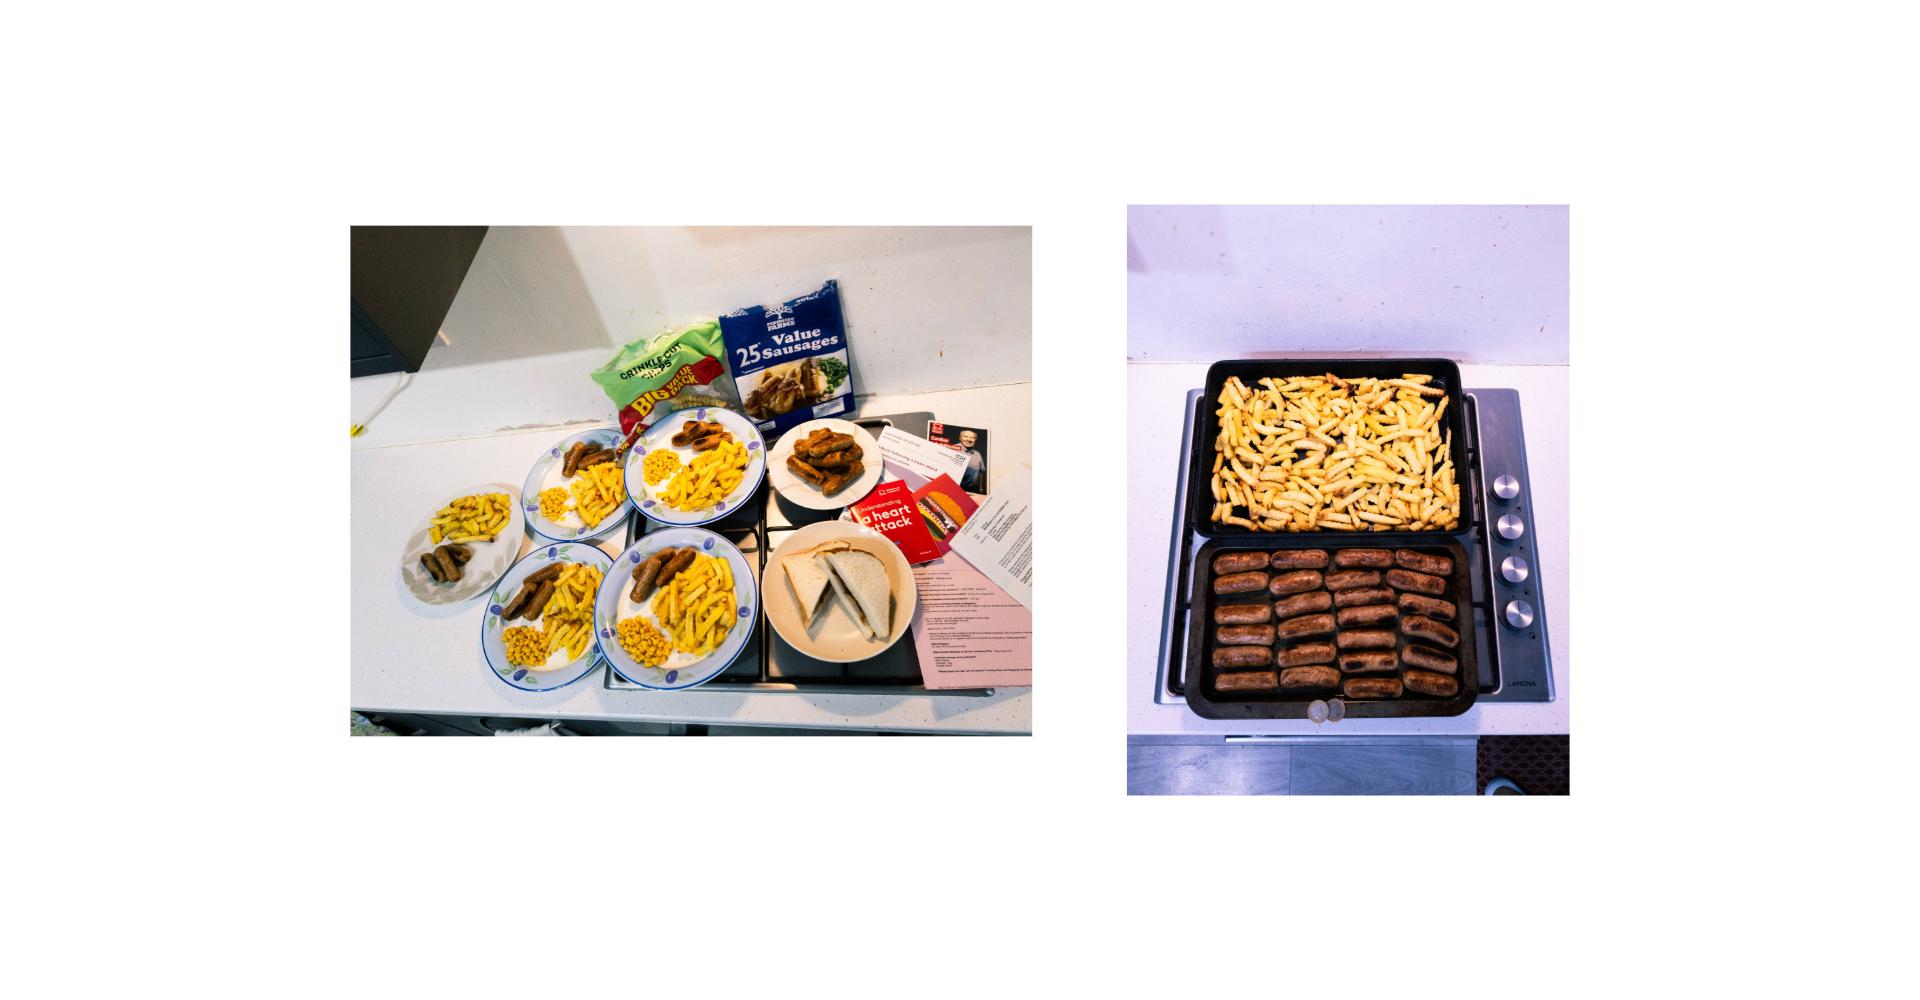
pixel 839 592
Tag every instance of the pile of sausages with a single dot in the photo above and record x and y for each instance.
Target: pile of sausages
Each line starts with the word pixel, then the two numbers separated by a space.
pixel 1364 621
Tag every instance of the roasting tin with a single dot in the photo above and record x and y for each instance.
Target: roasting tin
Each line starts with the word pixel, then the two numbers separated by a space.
pixel 1292 704
pixel 1446 375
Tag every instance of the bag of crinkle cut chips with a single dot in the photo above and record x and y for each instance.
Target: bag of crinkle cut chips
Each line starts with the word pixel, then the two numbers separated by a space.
pixel 677 370
pixel 790 361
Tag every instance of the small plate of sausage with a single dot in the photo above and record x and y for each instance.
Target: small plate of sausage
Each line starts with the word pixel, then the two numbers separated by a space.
pixel 825 464
pixel 450 572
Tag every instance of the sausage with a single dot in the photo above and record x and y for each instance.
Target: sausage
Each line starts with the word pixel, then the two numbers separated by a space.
pixel 833 443
pixel 1305 654
pixel 1401 579
pixel 449 567
pixel 1365 595
pixel 432 568
pixel 1244 635
pixel 1422 627
pixel 647 572
pixel 517 605
pixel 1302 604
pixel 540 576
pixel 1372 614
pixel 1429 659
pixel 836 461
pixel 460 553
pixel 680 561
pixel 1300 559
pixel 573 458
pixel 1253 680
pixel 1238 562
pixel 1438 685
pixel 1369 663
pixel 1242 656
pixel 1309 677
pixel 838 479
pixel 1295 582
pixel 1368 558
pixel 1432 607
pixel 1239 583
pixel 1420 562
pixel 1257 613
pixel 1366 638
pixel 805 471
pixel 537 605
pixel 1305 625
pixel 1348 579
pixel 1371 687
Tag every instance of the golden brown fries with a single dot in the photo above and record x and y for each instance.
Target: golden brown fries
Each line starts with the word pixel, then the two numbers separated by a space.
pixel 1320 453
pixel 476 518
pixel 697 606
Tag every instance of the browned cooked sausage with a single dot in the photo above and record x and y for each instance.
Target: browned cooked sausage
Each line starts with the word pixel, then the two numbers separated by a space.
pixel 1365 595
pixel 647 572
pixel 1439 685
pixel 1244 635
pixel 517 606
pixel 1305 625
pixel 1257 613
pixel 1420 562
pixel 1372 614
pixel 1422 627
pixel 1252 680
pixel 1429 659
pixel 1366 638
pixel 1238 562
pixel 1309 677
pixel 1303 604
pixel 1348 579
pixel 538 605
pixel 1368 558
pixel 1295 582
pixel 459 553
pixel 1371 687
pixel 675 566
pixel 1242 656
pixel 549 572
pixel 1432 607
pixel 1380 662
pixel 1239 583
pixel 1402 579
pixel 1300 559
pixel 431 566
pixel 1306 653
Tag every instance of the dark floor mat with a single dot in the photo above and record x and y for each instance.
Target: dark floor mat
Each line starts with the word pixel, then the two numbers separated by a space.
pixel 1538 764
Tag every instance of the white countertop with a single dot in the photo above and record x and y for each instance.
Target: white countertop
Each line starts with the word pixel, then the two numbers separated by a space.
pixel 1156 399
pixel 460 426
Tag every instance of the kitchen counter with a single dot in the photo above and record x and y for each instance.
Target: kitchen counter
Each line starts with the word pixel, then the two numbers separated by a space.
pixel 486 423
pixel 1156 398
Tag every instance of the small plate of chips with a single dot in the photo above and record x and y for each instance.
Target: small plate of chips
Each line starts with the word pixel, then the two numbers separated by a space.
pixel 551 640
pixel 696 466
pixel 463 545
pixel 576 489
pixel 697 608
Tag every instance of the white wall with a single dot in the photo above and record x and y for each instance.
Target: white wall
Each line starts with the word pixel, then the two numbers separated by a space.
pixel 927 307
pixel 1482 284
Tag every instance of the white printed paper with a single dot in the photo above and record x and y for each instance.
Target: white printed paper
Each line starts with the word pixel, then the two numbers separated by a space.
pixel 998 538
pixel 916 460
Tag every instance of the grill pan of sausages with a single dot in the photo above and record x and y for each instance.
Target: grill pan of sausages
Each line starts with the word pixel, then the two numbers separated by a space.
pixel 1382 621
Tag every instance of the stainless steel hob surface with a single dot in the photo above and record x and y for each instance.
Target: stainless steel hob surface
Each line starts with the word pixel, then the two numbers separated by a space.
pixel 1510 627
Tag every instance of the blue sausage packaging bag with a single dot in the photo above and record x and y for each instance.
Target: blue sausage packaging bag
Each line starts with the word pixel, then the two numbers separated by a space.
pixel 790 361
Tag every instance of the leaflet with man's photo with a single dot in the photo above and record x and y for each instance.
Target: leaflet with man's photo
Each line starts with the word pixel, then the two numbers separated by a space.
pixel 970 441
pixel 917 461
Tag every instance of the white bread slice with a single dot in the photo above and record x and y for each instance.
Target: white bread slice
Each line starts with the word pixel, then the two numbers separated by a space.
pixel 809 582
pixel 861 574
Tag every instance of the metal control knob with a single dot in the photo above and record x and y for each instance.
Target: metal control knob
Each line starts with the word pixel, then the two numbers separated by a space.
pixel 1511 527
pixel 1514 569
pixel 1519 614
pixel 1505 487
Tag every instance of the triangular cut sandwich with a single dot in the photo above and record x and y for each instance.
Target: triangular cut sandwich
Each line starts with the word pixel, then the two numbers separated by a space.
pixel 861 581
pixel 809 582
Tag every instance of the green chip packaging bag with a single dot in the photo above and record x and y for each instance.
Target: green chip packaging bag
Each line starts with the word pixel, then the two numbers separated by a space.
pixel 677 370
